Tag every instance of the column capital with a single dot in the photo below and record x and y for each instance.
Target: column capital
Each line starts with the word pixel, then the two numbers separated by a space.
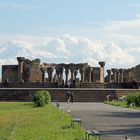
pixel 71 69
pixel 66 71
pixel 50 69
pixel 108 71
pixel 90 68
pixel 117 71
pixel 60 70
pixel 102 64
pixel 114 70
pixel 42 68
pixel 20 59
pixel 75 71
pixel 82 69
pixel 121 70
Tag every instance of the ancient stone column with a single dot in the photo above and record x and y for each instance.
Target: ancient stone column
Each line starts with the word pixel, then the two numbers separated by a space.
pixel 114 75
pixel 72 74
pixel 61 74
pixel 82 72
pixel 75 73
pixel 89 78
pixel 125 76
pixel 67 73
pixel 20 68
pixel 117 76
pixel 121 75
pixel 50 71
pixel 109 75
pixel 102 64
pixel 129 75
pixel 43 74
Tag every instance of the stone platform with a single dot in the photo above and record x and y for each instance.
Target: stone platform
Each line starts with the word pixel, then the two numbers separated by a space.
pixel 58 94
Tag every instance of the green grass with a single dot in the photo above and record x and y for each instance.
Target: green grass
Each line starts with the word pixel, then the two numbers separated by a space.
pixel 121 103
pixel 23 121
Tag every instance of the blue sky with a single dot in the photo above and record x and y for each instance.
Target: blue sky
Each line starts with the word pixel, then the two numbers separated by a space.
pixel 71 31
pixel 32 16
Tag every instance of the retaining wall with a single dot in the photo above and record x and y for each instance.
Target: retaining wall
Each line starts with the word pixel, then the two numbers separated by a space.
pixel 58 94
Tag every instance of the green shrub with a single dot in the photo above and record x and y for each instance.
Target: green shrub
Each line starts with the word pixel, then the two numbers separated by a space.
pixel 133 98
pixel 41 98
pixel 47 97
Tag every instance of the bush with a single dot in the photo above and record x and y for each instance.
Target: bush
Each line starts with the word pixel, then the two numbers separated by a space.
pixel 133 98
pixel 41 98
pixel 47 97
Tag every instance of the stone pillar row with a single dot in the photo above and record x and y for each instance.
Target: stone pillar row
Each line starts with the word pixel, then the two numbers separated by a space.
pixel 85 70
pixel 74 72
pixel 59 72
pixel 115 75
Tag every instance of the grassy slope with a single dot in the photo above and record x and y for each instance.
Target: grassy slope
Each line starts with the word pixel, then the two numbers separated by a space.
pixel 22 121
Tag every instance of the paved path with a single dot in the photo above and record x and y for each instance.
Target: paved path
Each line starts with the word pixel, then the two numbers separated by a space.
pixel 114 122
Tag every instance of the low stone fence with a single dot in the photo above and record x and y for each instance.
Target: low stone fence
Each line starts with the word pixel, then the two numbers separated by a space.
pixel 58 94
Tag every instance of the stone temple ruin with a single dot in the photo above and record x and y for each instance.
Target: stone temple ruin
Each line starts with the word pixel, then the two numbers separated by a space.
pixel 68 75
pixel 28 71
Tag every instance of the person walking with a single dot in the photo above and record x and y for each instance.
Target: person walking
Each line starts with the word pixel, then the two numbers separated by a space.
pixel 72 97
pixel 68 96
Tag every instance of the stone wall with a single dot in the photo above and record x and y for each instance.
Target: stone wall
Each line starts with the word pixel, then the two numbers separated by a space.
pixel 9 73
pixel 96 74
pixel 35 73
pixel 58 94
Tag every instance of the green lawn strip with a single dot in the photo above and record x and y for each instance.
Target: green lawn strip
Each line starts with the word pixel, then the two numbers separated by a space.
pixel 20 121
pixel 121 104
pixel 7 124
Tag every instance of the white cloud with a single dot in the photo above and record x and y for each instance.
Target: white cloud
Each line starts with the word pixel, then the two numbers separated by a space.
pixel 125 31
pixel 124 26
pixel 67 49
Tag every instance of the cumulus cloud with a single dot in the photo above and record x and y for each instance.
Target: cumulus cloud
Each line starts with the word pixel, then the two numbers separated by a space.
pixel 126 35
pixel 67 49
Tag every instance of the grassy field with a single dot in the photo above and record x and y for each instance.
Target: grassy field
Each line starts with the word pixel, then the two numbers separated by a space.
pixel 122 104
pixel 23 121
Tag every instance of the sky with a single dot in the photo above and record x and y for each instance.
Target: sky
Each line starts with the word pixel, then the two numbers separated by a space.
pixel 65 31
